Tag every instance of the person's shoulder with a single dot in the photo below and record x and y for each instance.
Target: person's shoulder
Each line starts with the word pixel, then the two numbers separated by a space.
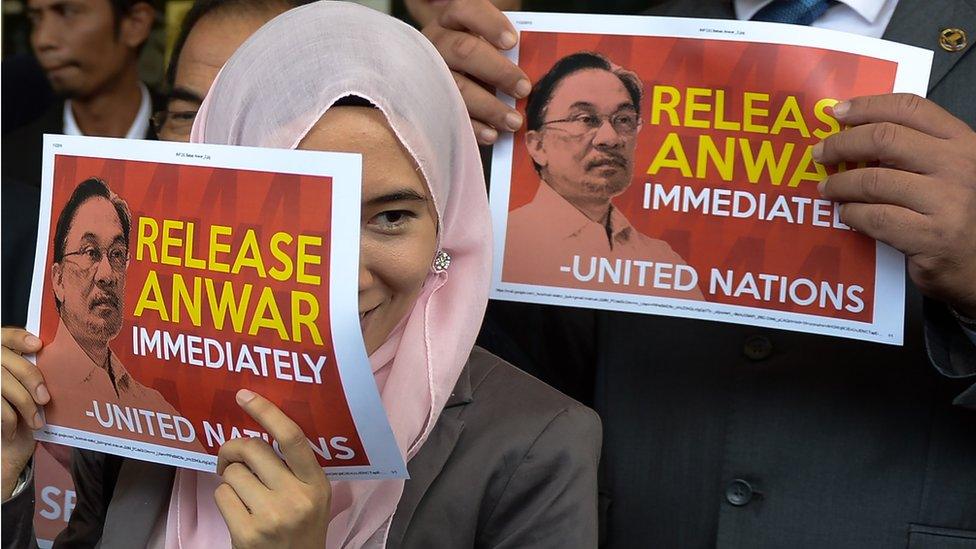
pixel 512 400
pixel 655 248
pixel 51 120
pixel 19 206
pixel 525 214
pixel 22 147
pixel 149 396
pixel 139 395
pixel 531 228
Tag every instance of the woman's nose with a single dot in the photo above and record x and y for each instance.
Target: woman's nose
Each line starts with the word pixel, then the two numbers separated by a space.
pixel 365 275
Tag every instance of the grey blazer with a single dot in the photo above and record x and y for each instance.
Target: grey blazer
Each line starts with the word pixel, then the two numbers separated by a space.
pixel 511 462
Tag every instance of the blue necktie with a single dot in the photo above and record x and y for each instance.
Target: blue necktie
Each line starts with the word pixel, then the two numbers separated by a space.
pixel 795 12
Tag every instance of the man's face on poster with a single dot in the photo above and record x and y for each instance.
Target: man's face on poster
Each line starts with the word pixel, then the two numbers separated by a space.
pixel 90 280
pixel 586 144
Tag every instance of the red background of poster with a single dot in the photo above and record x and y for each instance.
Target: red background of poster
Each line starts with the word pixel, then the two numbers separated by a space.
pixel 54 491
pixel 266 202
pixel 707 241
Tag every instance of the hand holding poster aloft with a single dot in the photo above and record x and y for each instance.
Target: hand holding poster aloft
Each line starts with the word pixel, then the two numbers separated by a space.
pixel 169 276
pixel 666 167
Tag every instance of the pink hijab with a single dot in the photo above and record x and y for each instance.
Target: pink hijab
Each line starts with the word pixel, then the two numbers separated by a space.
pixel 270 94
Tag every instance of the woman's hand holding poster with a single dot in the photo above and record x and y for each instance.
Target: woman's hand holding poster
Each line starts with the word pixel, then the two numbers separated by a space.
pixel 667 166
pixel 174 275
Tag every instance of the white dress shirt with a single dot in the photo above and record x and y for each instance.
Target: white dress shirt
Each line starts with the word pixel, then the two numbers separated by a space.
pixel 138 129
pixel 864 17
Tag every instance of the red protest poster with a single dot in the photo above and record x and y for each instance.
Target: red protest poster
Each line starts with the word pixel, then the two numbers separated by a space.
pixel 665 167
pixel 174 275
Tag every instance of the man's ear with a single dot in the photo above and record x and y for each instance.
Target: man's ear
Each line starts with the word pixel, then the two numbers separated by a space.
pixel 533 142
pixel 134 28
pixel 56 281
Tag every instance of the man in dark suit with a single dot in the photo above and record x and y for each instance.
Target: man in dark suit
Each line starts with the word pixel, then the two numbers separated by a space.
pixel 19 214
pixel 26 91
pixel 734 436
pixel 89 50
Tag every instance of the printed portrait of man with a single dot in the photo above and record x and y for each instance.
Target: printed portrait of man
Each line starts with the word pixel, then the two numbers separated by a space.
pixel 582 121
pixel 88 276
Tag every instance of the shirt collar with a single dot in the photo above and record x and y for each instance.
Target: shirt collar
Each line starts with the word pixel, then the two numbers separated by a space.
pixel 139 127
pixel 868 9
pixel 619 224
pixel 574 220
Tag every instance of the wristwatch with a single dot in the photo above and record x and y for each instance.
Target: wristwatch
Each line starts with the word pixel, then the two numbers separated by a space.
pixel 22 481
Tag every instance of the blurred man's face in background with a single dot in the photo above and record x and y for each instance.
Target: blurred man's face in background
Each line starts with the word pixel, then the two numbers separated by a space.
pixel 209 45
pixel 425 11
pixel 79 45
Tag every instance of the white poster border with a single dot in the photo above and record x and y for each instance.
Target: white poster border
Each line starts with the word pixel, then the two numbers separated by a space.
pixel 345 169
pixel 912 76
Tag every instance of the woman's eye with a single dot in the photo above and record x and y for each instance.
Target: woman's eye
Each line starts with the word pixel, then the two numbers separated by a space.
pixel 392 219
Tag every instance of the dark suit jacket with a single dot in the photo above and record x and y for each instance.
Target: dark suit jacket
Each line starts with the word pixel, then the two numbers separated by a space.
pixel 511 463
pixel 733 436
pixel 21 178
pixel 22 149
pixel 26 91
pixel 19 204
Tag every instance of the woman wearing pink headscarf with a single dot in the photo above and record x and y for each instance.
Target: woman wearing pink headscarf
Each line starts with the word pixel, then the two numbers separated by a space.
pixel 496 458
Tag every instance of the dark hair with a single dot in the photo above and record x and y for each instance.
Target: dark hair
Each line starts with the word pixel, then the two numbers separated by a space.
pixel 89 188
pixel 353 101
pixel 535 108
pixel 202 8
pixel 121 8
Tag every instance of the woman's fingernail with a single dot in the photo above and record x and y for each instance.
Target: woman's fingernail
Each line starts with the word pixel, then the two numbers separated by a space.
pixel 513 120
pixel 38 422
pixel 817 151
pixel 507 40
pixel 522 88
pixel 488 135
pixel 244 396
pixel 821 186
pixel 840 109
pixel 42 395
pixel 32 341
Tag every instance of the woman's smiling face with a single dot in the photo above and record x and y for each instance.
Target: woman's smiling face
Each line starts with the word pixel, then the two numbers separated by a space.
pixel 399 222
